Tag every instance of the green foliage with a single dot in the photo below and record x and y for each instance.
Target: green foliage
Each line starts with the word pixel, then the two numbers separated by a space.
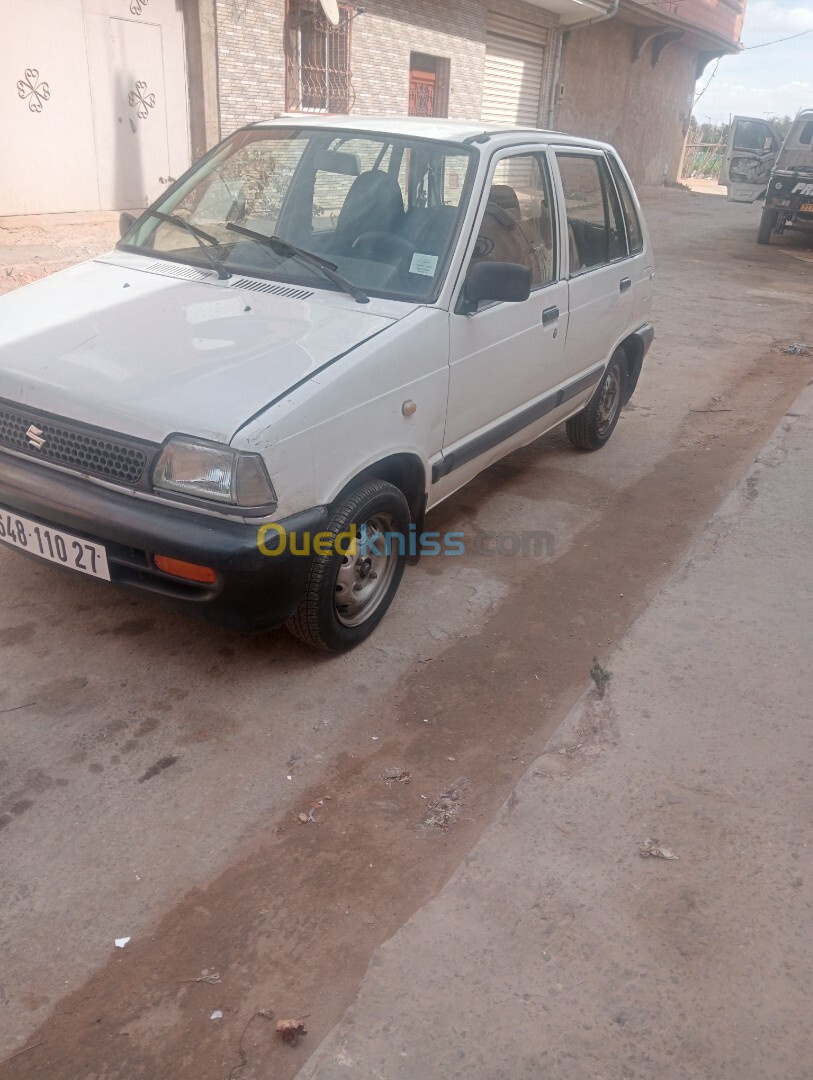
pixel 600 676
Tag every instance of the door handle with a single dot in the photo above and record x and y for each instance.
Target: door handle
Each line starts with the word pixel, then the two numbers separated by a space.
pixel 625 284
pixel 549 315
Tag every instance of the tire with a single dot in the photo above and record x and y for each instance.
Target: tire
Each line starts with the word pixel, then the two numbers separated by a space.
pixel 767 224
pixel 591 428
pixel 347 594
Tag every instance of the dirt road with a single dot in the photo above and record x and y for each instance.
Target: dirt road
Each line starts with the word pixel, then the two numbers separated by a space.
pixel 204 862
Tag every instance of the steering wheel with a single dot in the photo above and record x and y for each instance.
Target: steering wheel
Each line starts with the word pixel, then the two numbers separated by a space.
pixel 383 247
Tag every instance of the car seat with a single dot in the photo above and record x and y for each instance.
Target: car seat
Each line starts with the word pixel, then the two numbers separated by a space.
pixel 374 203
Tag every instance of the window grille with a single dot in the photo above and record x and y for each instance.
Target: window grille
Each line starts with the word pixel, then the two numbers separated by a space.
pixel 317 60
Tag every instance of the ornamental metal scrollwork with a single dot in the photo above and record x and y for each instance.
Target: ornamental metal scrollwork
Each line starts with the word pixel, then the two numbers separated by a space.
pixel 141 101
pixel 137 6
pixel 30 87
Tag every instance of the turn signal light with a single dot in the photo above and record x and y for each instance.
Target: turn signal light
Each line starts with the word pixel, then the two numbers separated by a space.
pixel 188 570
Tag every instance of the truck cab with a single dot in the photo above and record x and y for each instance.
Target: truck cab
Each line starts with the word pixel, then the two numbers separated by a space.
pixel 759 165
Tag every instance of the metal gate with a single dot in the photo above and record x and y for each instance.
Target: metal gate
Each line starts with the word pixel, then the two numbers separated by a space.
pixel 421 93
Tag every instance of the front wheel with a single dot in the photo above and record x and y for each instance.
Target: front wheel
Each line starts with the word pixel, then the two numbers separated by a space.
pixel 353 583
pixel 767 224
pixel 592 427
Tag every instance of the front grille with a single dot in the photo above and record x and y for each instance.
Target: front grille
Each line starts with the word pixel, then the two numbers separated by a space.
pixel 72 446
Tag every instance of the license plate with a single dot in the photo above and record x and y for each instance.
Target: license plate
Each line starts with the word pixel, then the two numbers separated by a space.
pixel 53 544
pixel 807 207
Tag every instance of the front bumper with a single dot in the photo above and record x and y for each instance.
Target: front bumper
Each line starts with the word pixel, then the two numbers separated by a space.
pixel 253 591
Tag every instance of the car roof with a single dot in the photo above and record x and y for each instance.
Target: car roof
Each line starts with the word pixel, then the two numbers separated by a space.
pixel 467 132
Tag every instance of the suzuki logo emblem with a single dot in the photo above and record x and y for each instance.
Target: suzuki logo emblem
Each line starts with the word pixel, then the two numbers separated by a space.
pixel 35 438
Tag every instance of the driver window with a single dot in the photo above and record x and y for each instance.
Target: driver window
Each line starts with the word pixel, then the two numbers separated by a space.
pixel 517 224
pixel 753 135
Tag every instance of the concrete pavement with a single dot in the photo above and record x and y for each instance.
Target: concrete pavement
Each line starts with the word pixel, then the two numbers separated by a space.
pixel 556 950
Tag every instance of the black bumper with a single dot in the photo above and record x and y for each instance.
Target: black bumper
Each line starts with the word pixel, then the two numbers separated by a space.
pixel 253 591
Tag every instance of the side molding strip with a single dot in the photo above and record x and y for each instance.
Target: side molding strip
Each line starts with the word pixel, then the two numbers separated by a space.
pixel 489 439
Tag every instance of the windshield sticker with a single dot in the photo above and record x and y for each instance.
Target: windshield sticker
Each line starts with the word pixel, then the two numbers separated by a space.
pixel 423 264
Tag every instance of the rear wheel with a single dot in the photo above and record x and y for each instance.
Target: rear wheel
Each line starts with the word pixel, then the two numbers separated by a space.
pixel 592 427
pixel 351 587
pixel 767 224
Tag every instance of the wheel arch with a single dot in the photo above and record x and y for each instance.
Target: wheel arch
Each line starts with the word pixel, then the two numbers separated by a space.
pixel 406 471
pixel 634 350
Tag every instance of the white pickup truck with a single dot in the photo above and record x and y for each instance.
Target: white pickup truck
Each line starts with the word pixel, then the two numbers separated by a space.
pixel 319 332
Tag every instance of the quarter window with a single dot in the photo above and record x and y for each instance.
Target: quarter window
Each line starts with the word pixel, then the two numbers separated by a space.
pixel 595 230
pixel 634 235
pixel 517 225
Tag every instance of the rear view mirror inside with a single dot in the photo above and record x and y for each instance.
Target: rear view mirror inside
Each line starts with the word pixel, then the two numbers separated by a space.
pixel 337 161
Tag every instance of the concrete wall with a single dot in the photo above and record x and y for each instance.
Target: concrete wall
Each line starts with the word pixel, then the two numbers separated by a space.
pixel 642 110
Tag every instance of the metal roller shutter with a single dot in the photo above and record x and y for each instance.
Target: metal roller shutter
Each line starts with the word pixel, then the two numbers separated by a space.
pixel 514 74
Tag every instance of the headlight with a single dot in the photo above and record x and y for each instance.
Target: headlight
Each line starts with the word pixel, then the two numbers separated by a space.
pixel 210 471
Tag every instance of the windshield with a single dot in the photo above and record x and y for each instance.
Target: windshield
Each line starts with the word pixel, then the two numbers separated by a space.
pixel 797 149
pixel 382 210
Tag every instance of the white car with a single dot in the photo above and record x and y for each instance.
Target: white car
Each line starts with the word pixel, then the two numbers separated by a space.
pixel 322 330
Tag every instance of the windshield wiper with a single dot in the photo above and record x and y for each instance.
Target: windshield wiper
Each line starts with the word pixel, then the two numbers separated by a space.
pixel 199 236
pixel 286 250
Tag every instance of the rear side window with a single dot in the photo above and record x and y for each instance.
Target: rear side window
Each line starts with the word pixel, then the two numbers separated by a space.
pixel 634 235
pixel 594 224
pixel 806 134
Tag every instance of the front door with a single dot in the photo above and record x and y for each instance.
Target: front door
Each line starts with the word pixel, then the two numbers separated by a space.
pixel 506 357
pixel 750 156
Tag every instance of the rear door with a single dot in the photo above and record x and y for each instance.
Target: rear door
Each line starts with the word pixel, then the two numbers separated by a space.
pixel 638 265
pixel 749 158
pixel 600 280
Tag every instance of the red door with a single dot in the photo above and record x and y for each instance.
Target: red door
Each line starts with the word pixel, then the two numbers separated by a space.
pixel 422 93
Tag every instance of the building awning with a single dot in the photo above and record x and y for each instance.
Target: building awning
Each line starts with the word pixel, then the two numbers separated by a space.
pixel 574 11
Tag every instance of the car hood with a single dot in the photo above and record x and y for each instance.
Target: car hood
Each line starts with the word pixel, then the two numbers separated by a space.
pixel 134 350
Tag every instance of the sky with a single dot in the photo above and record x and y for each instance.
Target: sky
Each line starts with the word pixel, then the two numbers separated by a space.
pixel 777 79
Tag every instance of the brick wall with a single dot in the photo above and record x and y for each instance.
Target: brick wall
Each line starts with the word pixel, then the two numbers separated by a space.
pixel 638 108
pixel 250 61
pixel 389 30
pixel 251 66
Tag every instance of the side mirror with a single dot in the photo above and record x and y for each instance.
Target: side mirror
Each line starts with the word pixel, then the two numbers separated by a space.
pixel 504 281
pixel 126 222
